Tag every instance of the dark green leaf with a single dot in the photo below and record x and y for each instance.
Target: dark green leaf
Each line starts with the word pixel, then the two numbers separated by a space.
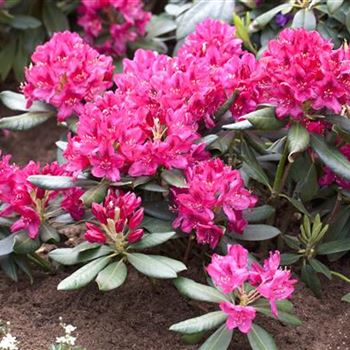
pixel 7 57
pixel 95 194
pixel 341 245
pixel 241 125
pixel 159 210
pixel 25 22
pixel 320 267
pixel 289 258
pixel 262 20
pixel 258 213
pixel 264 119
pixel 53 17
pixel 154 225
pixel 23 244
pixel 284 317
pixel 257 233
pixel 298 140
pixel 153 239
pixel 309 277
pixel 48 233
pixel 174 178
pixel 220 339
pixel 9 267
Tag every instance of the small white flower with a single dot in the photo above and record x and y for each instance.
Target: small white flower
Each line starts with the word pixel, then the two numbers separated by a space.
pixel 68 328
pixel 67 339
pixel 8 342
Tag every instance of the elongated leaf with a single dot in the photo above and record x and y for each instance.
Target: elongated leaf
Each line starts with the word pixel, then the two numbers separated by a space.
pixel 289 258
pixel 84 275
pixel 53 17
pixel 242 32
pixel 154 187
pixel 17 102
pixel 25 22
pixel 150 266
pixel 95 194
pixel 341 245
pixel 6 245
pixel 333 5
pixel 7 57
pixel 265 119
pixel 176 265
pixel 309 277
pixel 346 298
pixel 340 121
pixel 198 291
pixel 259 339
pixel 156 225
pixel 201 10
pixel 23 244
pixel 259 213
pixel 52 182
pixel 282 305
pixel 112 276
pixel 331 157
pixel 320 267
pixel 153 239
pixel 25 121
pixel 262 20
pixel 221 339
pixel 257 232
pixel 283 316
pixel 48 233
pixel 304 18
pixel 201 323
pixel 174 178
pixel 160 25
pixel 298 140
pixel 241 125
pixel 159 210
pixel 8 265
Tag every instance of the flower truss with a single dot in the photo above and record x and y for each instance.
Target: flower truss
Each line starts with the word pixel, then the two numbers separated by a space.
pixel 215 195
pixel 116 21
pixel 241 291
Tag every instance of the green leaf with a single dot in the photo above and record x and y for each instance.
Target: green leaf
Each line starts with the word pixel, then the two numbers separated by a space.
pixel 154 187
pixel 159 210
pixel 23 266
pixel 25 121
pixel 304 18
pixel 112 276
pixel 309 277
pixel 176 265
pixel 198 291
pixel 201 10
pixel 48 233
pixel 257 232
pixel 298 140
pixel 160 25
pixel 283 316
pixel 241 125
pixel 95 194
pixel 292 242
pixel 9 267
pixel 258 213
pixel 150 266
pixel 264 119
pixel 50 182
pixel 220 339
pixel 346 298
pixel 320 267
pixel 259 339
pixel 201 323
pixel 282 305
pixel 192 339
pixel 340 245
pixel 17 102
pixel 262 20
pixel 84 275
pixel 289 258
pixel 53 18
pixel 341 121
pixel 154 225
pixel 242 33
pixel 25 22
pixel 174 178
pixel 23 244
pixel 7 57
pixel 6 245
pixel 153 239
pixel 333 5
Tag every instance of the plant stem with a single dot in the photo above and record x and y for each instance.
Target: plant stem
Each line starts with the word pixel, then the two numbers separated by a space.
pixel 188 248
pixel 341 276
pixel 281 173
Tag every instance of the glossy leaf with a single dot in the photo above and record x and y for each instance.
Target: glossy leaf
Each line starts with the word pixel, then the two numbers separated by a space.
pixel 53 18
pixel 320 268
pixel 48 233
pixel 23 244
pixel 309 277
pixel 25 121
pixel 17 102
pixel 198 291
pixel 112 276
pixel 95 194
pixel 6 245
pixel 262 20
pixel 341 245
pixel 154 225
pixel 283 316
pixel 174 178
pixel 258 213
pixel 159 210
pixel 333 5
pixel 265 119
pixel 304 18
pixel 220 339
pixel 298 140
pixel 153 239
pixel 176 265
pixel 257 232
pixel 241 125
pixel 259 339
pixel 84 275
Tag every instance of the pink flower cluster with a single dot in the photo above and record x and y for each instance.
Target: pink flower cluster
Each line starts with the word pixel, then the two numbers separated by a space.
pixel 29 202
pixel 153 118
pixel 119 217
pixel 118 21
pixel 66 72
pixel 330 177
pixel 215 195
pixel 230 273
pixel 302 75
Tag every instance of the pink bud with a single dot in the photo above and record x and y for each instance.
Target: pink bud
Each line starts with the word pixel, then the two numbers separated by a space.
pixel 135 236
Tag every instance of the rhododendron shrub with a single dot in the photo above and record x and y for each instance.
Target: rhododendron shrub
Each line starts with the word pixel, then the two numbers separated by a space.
pixel 110 24
pixel 241 291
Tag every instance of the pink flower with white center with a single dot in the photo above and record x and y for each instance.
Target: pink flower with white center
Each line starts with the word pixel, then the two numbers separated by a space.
pixel 215 194
pixel 330 177
pixel 230 271
pixel 302 75
pixel 240 317
pixel 119 21
pixel 119 218
pixel 66 72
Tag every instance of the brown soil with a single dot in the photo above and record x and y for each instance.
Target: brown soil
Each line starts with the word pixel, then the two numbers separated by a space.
pixel 137 315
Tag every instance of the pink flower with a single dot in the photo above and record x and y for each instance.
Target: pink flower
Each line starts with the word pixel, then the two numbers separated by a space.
pixel 118 21
pixel 119 219
pixel 215 193
pixel 300 73
pixel 240 317
pixel 66 72
pixel 230 271
pixel 94 234
pixel 72 203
